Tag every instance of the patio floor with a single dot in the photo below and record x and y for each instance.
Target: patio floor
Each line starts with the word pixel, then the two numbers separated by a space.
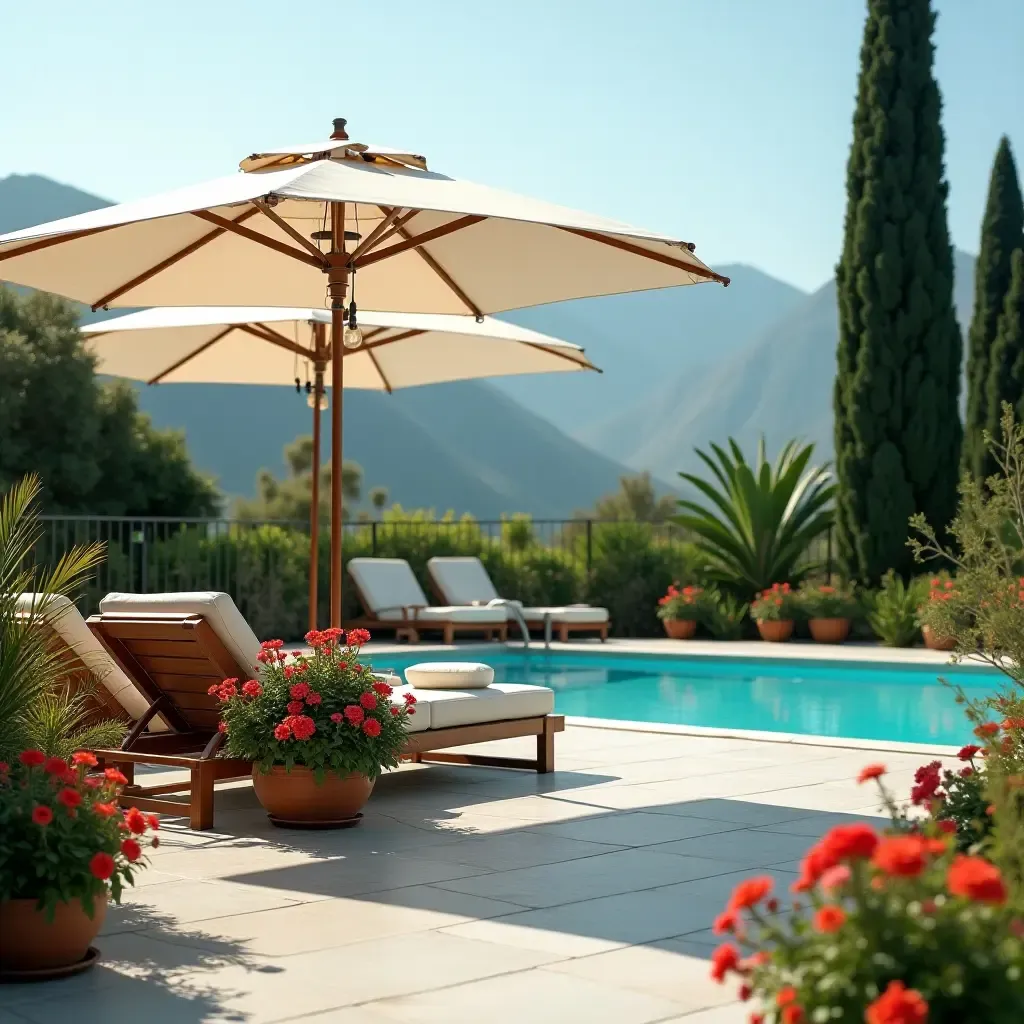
pixel 471 894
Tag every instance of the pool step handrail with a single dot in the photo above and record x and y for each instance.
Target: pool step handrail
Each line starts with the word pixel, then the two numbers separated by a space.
pixel 517 613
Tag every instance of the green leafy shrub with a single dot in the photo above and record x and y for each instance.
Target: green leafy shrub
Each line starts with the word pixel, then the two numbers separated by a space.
pixel 892 611
pixel 725 615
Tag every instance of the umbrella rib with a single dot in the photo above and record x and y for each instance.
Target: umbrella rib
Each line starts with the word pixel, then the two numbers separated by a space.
pixel 398 224
pixel 585 365
pixel 255 236
pixel 417 240
pixel 636 250
pixel 164 264
pixel 191 355
pixel 374 236
pixel 387 384
pixel 45 243
pixel 446 278
pixel 387 341
pixel 288 229
pixel 264 333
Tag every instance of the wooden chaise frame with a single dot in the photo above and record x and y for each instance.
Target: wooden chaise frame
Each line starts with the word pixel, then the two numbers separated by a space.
pixel 173 660
pixel 409 625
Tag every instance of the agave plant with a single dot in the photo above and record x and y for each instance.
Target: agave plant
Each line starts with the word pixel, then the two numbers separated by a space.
pixel 37 707
pixel 761 519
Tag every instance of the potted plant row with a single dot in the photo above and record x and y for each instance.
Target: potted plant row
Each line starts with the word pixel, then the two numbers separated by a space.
pixel 828 610
pixel 67 848
pixel 319 729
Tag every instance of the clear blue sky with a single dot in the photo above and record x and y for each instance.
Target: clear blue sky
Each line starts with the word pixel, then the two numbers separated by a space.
pixel 725 122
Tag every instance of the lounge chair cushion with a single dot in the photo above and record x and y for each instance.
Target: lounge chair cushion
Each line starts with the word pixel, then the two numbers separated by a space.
pixel 466 581
pixel 67 622
pixel 392 592
pixel 218 610
pixel 495 703
pixel 462 580
pixel 449 675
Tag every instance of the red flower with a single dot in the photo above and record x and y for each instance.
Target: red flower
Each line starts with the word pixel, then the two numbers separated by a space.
pixel 786 996
pixel 756 1018
pixel 849 842
pixel 750 892
pixel 337 717
pixel 289 671
pixel 409 698
pixel 382 689
pixel 928 783
pixel 102 866
pixel 265 656
pixel 299 691
pixel 727 921
pixel 252 688
pixel 272 645
pixel 343 666
pixel 368 700
pixel 135 820
pixel 724 959
pixel 871 771
pixel 948 827
pixel 745 992
pixel 829 918
pixel 835 878
pixel 282 731
pixel 371 727
pixel 986 729
pixel 32 758
pixel 295 707
pixel 966 753
pixel 793 1015
pixel 42 815
pixel 358 637
pixel 131 849
pixel 55 766
pixel 222 727
pixel 355 714
pixel 153 821
pixel 974 878
pixel 396 711
pixel 901 856
pixel 69 797
pixel 897 1005
pixel 104 810
pixel 115 775
pixel 83 757
pixel 302 726
pixel 313 698
pixel 1009 724
pixel 228 689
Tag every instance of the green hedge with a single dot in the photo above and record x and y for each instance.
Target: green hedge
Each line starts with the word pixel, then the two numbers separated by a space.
pixel 264 568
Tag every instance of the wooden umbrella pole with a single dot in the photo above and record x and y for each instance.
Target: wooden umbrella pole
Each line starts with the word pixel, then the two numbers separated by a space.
pixel 337 278
pixel 314 507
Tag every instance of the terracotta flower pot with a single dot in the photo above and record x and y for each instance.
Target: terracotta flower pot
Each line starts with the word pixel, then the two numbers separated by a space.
pixel 294 797
pixel 775 632
pixel 829 631
pixel 680 629
pixel 29 942
pixel 937 643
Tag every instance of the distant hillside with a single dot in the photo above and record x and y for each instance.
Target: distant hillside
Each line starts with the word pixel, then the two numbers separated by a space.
pixel 781 385
pixel 641 338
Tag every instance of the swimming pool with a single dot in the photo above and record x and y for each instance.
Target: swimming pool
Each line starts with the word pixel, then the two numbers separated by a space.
pixel 898 703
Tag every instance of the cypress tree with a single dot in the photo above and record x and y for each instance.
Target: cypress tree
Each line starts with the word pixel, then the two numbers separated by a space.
pixel 1006 374
pixel 897 423
pixel 1002 232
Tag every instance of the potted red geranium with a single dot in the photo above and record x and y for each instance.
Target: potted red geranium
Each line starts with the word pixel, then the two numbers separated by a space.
pixel 680 609
pixel 940 590
pixel 774 610
pixel 828 610
pixel 320 729
pixel 65 848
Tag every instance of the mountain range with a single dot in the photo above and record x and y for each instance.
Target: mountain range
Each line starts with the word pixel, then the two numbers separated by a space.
pixel 683 367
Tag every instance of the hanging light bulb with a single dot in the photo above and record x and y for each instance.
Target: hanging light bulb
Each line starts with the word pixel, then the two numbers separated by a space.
pixel 352 337
pixel 311 400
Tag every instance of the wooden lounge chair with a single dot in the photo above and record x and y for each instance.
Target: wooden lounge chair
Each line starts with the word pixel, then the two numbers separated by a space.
pixel 87 669
pixel 175 646
pixel 393 598
pixel 466 581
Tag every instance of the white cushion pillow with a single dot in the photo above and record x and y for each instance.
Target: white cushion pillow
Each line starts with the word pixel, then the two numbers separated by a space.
pixel 449 675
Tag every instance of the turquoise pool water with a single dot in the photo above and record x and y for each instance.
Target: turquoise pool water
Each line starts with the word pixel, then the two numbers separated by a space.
pixel 904 703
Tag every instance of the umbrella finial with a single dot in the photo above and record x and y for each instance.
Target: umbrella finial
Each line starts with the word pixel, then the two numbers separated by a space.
pixel 339 129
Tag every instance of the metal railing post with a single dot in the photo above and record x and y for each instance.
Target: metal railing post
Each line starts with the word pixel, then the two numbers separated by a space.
pixel 590 545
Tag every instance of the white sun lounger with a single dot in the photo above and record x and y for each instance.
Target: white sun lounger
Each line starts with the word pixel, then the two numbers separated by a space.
pixel 393 597
pixel 465 581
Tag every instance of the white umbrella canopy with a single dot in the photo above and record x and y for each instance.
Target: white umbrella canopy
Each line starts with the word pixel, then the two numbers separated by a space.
pixel 279 345
pixel 274 345
pixel 300 224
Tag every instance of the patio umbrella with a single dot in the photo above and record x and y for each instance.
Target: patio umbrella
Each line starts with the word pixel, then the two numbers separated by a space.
pixel 307 221
pixel 274 345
